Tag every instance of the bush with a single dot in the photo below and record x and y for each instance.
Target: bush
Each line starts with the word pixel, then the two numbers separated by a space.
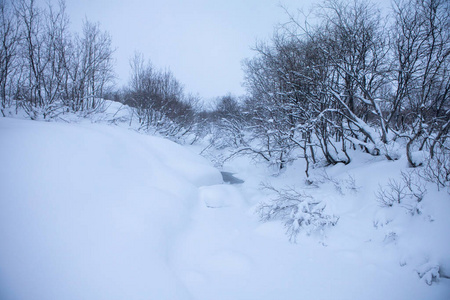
pixel 407 192
pixel 299 211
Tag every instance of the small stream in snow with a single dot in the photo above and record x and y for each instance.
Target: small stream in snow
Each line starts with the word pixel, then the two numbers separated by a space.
pixel 228 177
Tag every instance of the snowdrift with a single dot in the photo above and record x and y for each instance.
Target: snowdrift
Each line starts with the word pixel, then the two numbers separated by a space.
pixel 89 211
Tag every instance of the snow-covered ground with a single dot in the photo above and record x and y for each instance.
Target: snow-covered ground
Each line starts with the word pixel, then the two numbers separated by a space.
pixel 94 211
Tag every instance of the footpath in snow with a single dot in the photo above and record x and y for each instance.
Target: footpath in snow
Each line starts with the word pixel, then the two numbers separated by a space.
pixel 90 211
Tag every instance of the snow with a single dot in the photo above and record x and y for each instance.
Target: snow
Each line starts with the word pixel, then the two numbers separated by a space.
pixel 219 196
pixel 89 211
pixel 94 211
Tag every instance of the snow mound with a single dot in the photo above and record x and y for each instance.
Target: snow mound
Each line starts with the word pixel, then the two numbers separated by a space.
pixel 217 196
pixel 89 211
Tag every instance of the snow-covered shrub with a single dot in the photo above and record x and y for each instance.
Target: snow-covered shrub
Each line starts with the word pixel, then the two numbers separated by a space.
pixel 350 184
pixel 407 192
pixel 299 211
pixel 339 185
pixel 45 111
pixel 393 192
pixel 390 237
pixel 429 272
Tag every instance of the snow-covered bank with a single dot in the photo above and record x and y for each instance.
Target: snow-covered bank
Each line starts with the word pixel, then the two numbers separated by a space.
pixel 356 259
pixel 90 211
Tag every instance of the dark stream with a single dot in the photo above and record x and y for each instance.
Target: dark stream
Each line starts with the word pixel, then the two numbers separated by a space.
pixel 229 178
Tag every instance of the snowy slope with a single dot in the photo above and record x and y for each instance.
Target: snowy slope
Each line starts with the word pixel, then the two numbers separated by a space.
pixel 91 211
pixel 353 260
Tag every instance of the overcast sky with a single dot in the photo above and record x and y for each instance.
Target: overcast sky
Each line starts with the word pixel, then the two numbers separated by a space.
pixel 203 42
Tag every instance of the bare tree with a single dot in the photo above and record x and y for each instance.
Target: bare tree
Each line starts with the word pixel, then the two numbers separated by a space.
pixel 94 70
pixel 422 45
pixel 10 37
pixel 158 99
pixel 354 39
pixel 346 82
pixel 56 58
pixel 44 60
pixel 32 50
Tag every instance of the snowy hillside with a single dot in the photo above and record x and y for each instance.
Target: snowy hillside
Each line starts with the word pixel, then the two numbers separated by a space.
pixel 91 211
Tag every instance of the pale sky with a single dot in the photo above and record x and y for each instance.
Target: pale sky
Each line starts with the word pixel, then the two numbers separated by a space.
pixel 203 42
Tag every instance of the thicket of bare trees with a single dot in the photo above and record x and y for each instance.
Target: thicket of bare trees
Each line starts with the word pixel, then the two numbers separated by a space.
pixel 44 69
pixel 158 100
pixel 355 80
